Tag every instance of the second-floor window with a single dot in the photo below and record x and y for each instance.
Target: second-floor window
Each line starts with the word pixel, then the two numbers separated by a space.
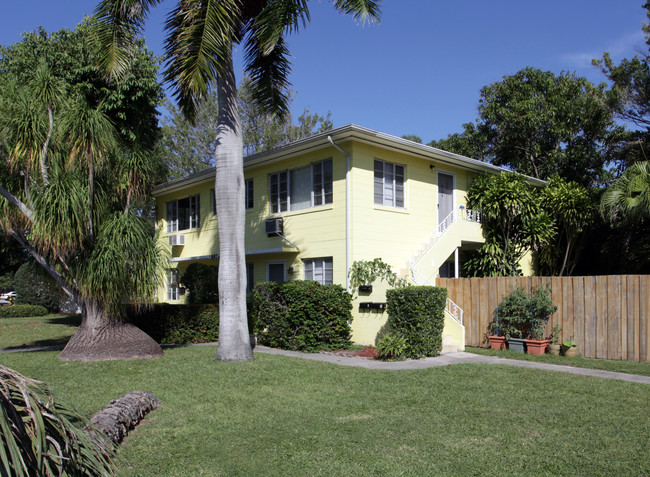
pixel 297 189
pixel 183 214
pixel 389 184
pixel 249 194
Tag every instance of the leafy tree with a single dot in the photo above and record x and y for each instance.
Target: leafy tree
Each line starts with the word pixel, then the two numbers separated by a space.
pixel 75 164
pixel 513 223
pixel 200 280
pixel 413 137
pixel 627 200
pixel 469 143
pixel 36 287
pixel 540 124
pixel 572 208
pixel 199 52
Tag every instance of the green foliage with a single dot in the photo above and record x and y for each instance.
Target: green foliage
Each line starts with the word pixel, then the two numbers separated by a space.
pixel 469 143
pixel 569 343
pixel 521 315
pixel 391 347
pixel 302 315
pixel 513 223
pixel 201 282
pixel 18 311
pixel 417 314
pixel 179 324
pixel 364 272
pixel 555 334
pixel 41 436
pixel 627 200
pixel 573 210
pixel 35 287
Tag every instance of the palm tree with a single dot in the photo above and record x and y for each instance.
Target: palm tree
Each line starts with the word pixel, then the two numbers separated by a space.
pixel 199 55
pixel 628 198
pixel 69 182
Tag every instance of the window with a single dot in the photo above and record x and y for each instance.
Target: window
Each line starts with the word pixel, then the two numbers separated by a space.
pixel 183 214
pixel 213 202
pixel 172 285
pixel 275 272
pixel 389 184
pixel 319 270
pixel 249 193
pixel 301 188
pixel 250 278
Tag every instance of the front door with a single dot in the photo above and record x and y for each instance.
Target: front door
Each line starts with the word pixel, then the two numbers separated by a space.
pixel 445 196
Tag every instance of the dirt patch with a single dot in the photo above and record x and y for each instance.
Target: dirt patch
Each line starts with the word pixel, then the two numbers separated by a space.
pixel 365 352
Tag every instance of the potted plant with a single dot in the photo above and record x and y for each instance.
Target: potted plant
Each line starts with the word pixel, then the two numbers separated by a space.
pixel 554 345
pixel 497 336
pixel 570 347
pixel 513 311
pixel 541 308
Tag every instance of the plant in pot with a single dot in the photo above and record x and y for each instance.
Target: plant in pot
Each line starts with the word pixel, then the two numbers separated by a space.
pixel 570 347
pixel 513 311
pixel 497 332
pixel 541 308
pixel 554 345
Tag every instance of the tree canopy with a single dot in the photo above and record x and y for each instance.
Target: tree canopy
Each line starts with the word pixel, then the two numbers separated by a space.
pixel 76 162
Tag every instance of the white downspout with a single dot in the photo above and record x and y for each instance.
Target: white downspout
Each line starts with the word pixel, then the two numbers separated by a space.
pixel 347 212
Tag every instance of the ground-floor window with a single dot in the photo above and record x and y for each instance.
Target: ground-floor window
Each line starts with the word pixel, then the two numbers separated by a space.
pixel 173 291
pixel 319 270
pixel 250 278
pixel 275 272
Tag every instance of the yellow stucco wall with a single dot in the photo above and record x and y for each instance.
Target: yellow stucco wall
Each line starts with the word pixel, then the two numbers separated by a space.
pixel 389 233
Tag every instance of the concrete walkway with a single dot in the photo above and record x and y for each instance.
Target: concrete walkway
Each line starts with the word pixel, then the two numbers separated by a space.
pixel 446 359
pixel 449 359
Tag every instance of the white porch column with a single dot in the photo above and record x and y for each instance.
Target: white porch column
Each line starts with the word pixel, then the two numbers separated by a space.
pixel 456 262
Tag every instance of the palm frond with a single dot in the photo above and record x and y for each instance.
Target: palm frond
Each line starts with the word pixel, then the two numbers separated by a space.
pixel 363 11
pixel 628 198
pixel 276 19
pixel 269 74
pixel 119 22
pixel 201 35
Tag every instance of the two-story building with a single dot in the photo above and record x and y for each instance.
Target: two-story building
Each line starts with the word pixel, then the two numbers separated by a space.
pixel 315 206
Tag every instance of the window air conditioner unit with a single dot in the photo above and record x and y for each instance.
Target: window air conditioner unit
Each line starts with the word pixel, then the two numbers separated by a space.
pixel 178 239
pixel 273 227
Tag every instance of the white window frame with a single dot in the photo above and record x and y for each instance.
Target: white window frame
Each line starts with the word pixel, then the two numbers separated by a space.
pixel 173 286
pixel 280 199
pixel 392 191
pixel 310 266
pixel 194 219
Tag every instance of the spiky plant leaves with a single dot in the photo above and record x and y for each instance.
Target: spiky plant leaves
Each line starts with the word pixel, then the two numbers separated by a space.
pixel 41 436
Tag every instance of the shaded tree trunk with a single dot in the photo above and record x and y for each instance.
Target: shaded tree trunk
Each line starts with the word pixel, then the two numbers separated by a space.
pixel 102 337
pixel 234 339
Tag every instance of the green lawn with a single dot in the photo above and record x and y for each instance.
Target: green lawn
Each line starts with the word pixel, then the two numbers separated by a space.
pixel 288 416
pixel 630 367
pixel 37 331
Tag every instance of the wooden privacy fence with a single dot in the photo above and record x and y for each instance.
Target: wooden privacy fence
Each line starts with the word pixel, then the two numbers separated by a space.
pixel 608 315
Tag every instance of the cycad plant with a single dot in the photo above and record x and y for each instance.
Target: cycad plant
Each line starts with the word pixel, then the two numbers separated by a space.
pixel 43 437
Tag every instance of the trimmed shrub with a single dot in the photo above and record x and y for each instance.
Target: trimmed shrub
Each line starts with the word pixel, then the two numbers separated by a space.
pixel 302 315
pixel 22 311
pixel 418 315
pixel 35 287
pixel 179 324
pixel 201 282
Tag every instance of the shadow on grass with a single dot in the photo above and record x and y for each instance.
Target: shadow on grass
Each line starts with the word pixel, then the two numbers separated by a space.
pixel 68 320
pixel 47 345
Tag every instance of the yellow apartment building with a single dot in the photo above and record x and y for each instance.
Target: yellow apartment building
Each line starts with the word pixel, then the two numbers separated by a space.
pixel 315 206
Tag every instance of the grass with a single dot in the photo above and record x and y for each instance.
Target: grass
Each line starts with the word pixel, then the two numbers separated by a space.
pixel 45 330
pixel 630 367
pixel 288 416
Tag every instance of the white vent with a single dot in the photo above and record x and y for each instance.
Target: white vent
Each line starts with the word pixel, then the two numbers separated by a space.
pixel 178 239
pixel 273 227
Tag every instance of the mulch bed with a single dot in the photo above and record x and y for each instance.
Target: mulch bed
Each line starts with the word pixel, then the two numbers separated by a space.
pixel 365 352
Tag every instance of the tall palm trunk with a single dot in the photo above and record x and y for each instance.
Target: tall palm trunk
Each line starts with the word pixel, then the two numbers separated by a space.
pixel 234 341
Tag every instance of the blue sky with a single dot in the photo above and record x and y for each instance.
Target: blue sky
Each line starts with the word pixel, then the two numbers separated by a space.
pixel 419 71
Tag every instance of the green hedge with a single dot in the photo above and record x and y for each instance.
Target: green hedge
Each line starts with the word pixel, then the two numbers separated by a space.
pixel 302 315
pixel 180 324
pixel 20 311
pixel 418 315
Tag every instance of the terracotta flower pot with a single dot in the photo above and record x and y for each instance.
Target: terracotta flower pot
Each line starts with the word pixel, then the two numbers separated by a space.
pixel 497 342
pixel 537 346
